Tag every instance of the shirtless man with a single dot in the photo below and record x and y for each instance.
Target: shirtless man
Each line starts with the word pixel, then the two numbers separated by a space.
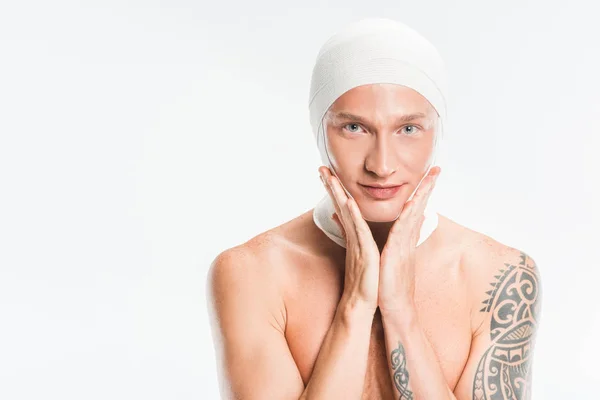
pixel 295 315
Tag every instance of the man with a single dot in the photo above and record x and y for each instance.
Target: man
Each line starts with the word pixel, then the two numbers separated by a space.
pixel 372 295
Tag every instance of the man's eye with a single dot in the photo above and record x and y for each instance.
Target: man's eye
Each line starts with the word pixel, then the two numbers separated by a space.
pixel 409 129
pixel 352 125
pixel 413 129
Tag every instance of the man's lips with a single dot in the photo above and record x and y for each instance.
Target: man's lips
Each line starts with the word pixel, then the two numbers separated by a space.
pixel 381 193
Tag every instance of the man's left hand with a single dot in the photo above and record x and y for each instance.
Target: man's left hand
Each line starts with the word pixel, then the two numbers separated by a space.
pixel 397 261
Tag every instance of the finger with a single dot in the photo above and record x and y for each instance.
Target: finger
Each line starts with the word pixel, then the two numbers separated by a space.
pixel 421 203
pixel 324 172
pixel 363 232
pixel 343 201
pixel 422 196
pixel 399 226
pixel 339 195
pixel 406 229
pixel 405 224
pixel 426 184
pixel 417 216
pixel 340 199
pixel 336 219
pixel 417 234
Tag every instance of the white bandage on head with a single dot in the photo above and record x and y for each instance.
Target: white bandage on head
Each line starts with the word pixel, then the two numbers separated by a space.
pixel 369 51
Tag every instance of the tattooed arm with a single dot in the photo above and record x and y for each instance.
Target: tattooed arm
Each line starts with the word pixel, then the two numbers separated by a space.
pixel 414 368
pixel 500 363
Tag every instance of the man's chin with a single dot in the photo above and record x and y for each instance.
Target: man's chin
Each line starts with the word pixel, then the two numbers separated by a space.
pixel 380 218
pixel 380 213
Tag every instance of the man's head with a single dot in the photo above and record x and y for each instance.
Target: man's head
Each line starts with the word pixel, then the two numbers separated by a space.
pixel 380 135
pixel 380 70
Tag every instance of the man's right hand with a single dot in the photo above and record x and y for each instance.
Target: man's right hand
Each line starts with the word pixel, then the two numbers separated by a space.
pixel 361 277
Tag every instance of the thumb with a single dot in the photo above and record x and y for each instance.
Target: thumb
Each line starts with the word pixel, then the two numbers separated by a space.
pixel 335 217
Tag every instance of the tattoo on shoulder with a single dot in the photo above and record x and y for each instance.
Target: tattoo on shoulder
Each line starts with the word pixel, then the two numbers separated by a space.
pixel 514 301
pixel 401 373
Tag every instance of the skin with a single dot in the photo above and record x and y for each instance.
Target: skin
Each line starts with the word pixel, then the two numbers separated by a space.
pixel 382 150
pixel 455 318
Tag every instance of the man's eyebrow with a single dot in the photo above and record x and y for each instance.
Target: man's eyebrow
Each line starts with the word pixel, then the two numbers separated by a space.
pixel 401 118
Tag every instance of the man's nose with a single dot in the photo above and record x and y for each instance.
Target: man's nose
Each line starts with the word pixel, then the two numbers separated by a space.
pixel 382 158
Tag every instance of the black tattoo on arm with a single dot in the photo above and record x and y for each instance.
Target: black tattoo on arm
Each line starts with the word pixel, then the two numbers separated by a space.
pixel 504 371
pixel 398 358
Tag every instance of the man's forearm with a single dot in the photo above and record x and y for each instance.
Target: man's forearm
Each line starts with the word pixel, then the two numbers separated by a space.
pixel 414 367
pixel 340 368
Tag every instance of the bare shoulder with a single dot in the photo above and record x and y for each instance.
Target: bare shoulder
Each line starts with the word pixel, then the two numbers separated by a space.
pixel 485 256
pixel 261 268
pixel 482 254
pixel 243 274
pixel 247 314
pixel 489 266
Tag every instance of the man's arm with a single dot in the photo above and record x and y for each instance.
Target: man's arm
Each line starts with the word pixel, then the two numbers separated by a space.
pixel 499 366
pixel 253 359
pixel 413 365
pixel 248 327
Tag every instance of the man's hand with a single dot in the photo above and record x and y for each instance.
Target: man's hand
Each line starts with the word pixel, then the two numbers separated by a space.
pixel 362 254
pixel 397 261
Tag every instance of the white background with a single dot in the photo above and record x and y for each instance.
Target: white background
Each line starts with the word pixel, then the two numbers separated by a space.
pixel 140 139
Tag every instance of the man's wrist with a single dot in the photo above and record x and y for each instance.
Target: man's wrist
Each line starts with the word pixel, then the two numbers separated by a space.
pixel 353 311
pixel 404 315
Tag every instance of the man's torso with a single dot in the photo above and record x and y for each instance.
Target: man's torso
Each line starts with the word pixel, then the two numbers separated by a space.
pixel 309 276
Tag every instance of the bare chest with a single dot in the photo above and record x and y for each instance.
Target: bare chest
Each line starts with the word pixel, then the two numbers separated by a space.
pixel 442 307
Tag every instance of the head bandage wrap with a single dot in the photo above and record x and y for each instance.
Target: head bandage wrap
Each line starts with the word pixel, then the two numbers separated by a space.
pixel 369 51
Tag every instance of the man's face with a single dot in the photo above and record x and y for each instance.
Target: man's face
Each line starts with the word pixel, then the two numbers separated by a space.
pixel 380 134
